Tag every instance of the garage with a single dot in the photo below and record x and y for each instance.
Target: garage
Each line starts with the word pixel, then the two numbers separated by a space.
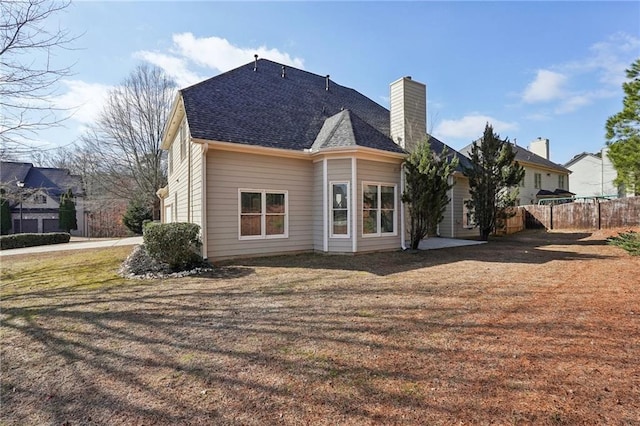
pixel 28 225
pixel 50 225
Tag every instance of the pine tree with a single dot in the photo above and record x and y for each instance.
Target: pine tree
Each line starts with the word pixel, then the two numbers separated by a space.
pixel 138 212
pixel 5 214
pixel 491 180
pixel 425 192
pixel 67 212
pixel 623 133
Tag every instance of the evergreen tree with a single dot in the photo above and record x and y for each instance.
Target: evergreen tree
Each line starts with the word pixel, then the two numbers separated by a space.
pixel 138 212
pixel 623 133
pixel 67 212
pixel 425 192
pixel 491 180
pixel 5 214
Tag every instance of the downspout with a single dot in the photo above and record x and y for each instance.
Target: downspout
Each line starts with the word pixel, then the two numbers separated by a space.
pixel 354 204
pixel 203 201
pixel 403 243
pixel 325 203
pixel 453 223
pixel 189 209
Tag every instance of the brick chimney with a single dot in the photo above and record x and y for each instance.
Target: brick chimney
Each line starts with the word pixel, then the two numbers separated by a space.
pixel 408 112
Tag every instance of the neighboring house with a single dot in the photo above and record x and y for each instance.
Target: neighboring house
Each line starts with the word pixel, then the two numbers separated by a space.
pixel 272 159
pixel 592 175
pixel 543 179
pixel 34 194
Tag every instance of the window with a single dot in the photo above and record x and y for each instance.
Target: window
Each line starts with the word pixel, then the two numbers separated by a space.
pixel 183 140
pixel 468 219
pixel 524 174
pixel 378 209
pixel 170 159
pixel 263 214
pixel 561 181
pixel 537 179
pixel 340 209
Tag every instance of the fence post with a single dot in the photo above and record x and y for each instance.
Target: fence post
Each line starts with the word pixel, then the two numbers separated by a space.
pixel 599 215
pixel 551 216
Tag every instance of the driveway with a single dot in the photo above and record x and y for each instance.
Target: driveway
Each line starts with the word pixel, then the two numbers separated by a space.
pixel 74 244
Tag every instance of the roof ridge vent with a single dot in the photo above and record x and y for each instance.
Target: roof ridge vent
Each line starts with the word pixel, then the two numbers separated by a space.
pixel 326 86
pixel 255 62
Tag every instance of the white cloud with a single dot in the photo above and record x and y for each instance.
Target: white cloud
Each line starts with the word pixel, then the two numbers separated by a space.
pixel 471 126
pixel 176 68
pixel 547 86
pixel 83 100
pixel 214 53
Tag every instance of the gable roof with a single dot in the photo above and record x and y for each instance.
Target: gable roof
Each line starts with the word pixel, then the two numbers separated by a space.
pixel 437 146
pixel 264 108
pixel 526 156
pixel 53 181
pixel 579 157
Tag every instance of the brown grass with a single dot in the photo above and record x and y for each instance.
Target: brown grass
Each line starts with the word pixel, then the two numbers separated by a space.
pixel 535 328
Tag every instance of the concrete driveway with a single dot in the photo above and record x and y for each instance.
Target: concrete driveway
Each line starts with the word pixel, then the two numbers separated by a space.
pixel 75 244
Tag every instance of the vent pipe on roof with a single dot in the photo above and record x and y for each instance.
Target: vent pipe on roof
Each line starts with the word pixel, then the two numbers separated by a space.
pixel 255 62
pixel 283 71
pixel 326 87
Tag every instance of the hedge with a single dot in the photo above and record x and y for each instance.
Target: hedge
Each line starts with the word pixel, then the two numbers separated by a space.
pixel 175 244
pixel 30 240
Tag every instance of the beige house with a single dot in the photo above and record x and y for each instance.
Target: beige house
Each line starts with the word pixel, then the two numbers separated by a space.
pixel 543 179
pixel 270 159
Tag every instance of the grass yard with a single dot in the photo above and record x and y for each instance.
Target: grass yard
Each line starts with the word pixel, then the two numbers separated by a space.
pixel 535 328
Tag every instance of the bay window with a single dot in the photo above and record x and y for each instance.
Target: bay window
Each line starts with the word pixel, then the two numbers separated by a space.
pixel 339 209
pixel 378 209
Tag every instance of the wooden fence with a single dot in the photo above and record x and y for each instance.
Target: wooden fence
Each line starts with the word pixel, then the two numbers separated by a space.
pixel 588 215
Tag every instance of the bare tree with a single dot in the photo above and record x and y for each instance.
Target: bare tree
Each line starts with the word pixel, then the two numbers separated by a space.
pixel 125 141
pixel 29 76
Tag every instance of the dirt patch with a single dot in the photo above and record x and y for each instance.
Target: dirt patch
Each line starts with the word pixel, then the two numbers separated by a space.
pixel 534 328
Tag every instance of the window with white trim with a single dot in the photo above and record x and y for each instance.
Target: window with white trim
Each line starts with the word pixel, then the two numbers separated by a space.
pixel 524 174
pixel 340 226
pixel 379 209
pixel 183 140
pixel 263 214
pixel 170 159
pixel 561 181
pixel 537 179
pixel 468 218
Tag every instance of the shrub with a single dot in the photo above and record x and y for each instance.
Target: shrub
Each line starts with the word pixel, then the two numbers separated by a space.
pixel 31 240
pixel 630 241
pixel 176 244
pixel 137 213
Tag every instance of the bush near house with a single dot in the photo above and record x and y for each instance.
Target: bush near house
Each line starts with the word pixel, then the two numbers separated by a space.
pixel 175 244
pixel 31 240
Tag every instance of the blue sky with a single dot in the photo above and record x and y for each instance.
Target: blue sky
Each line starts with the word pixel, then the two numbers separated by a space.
pixel 532 69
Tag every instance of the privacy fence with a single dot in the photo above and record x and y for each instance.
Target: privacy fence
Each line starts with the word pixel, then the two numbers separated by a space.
pixel 584 215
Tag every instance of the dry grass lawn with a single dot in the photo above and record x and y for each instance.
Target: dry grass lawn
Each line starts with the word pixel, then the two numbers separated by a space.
pixel 536 328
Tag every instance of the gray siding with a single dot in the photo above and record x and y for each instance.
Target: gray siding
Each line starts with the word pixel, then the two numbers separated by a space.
pixel 318 231
pixel 451 225
pixel 227 172
pixel 378 172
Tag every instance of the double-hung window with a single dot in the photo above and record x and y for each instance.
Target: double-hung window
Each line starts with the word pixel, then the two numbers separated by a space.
pixel 537 180
pixel 340 226
pixel 263 214
pixel 561 181
pixel 379 209
pixel 183 140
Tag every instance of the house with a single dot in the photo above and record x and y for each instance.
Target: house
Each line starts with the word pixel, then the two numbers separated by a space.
pixel 543 179
pixel 34 195
pixel 271 159
pixel 592 175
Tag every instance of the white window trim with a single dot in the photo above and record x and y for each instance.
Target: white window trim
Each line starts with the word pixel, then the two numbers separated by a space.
pixel 379 209
pixel 348 200
pixel 465 211
pixel 263 215
pixel 537 183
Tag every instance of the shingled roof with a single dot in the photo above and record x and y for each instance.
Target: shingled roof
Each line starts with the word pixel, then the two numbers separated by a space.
pixel 53 181
pixel 524 155
pixel 264 108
